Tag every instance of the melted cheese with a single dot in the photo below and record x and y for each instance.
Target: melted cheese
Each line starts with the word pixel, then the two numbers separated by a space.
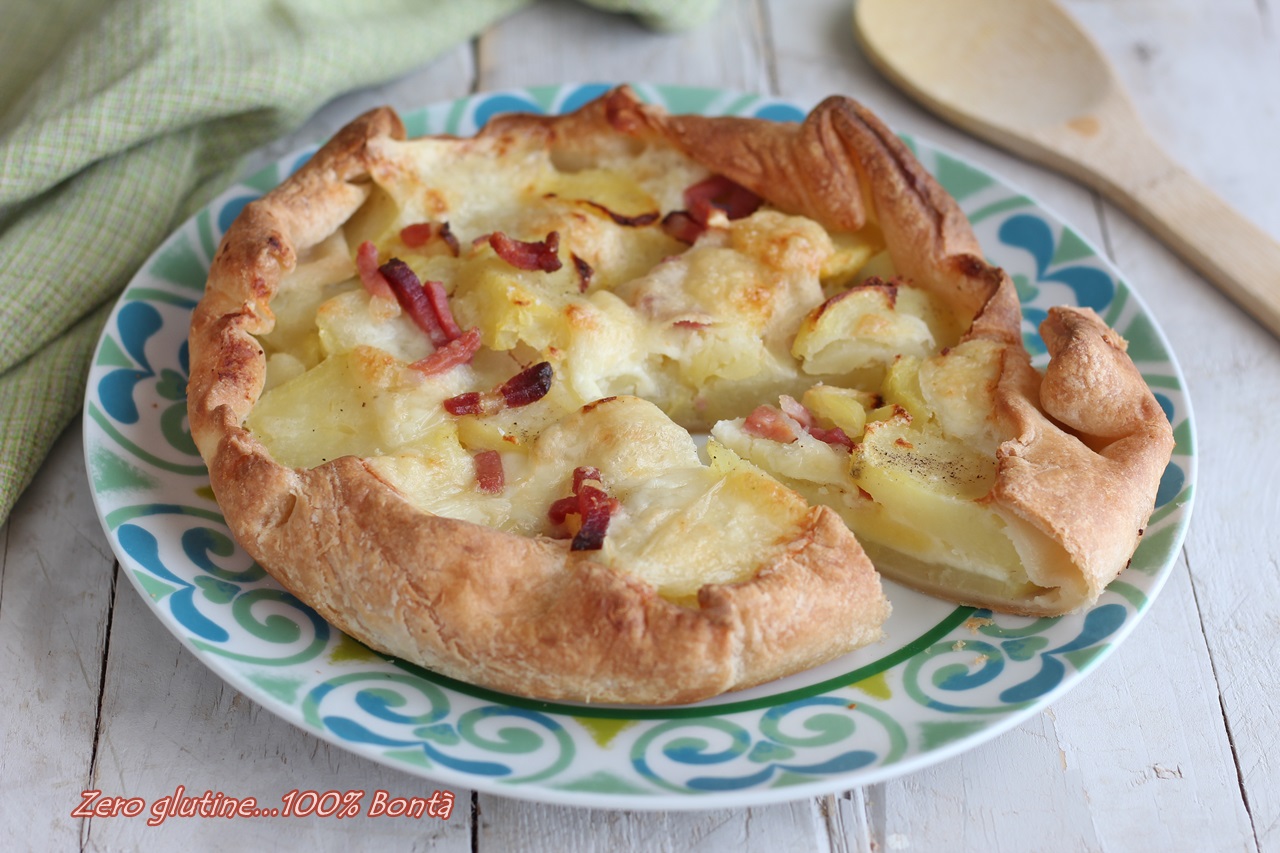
pixel 647 337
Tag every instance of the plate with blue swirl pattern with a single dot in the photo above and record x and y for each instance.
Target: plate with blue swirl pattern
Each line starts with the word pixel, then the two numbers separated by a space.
pixel 946 679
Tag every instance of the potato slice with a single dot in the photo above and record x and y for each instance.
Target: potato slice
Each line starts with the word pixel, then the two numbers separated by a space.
pixel 851 252
pixel 842 407
pixel 867 326
pixel 958 388
pixel 930 489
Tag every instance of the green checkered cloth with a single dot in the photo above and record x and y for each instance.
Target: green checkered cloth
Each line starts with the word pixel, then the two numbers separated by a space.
pixel 119 117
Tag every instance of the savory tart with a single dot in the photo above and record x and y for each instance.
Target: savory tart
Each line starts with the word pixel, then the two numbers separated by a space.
pixel 446 388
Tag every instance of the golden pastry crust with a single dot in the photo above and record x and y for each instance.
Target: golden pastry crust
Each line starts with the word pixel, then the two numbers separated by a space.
pixel 1082 468
pixel 527 615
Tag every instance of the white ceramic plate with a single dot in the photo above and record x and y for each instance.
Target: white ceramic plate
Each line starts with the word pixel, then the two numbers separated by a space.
pixel 945 680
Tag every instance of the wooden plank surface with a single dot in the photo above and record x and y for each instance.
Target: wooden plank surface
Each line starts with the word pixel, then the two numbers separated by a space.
pixel 1169 744
pixel 506 824
pixel 56 580
pixel 559 41
pixel 1206 83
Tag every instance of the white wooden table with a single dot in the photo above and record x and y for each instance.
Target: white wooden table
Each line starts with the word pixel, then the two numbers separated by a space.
pixel 1171 744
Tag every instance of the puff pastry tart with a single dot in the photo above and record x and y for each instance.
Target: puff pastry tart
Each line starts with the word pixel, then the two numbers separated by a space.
pixel 445 389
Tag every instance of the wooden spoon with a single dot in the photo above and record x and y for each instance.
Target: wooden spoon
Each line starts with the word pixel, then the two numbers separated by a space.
pixel 1023 75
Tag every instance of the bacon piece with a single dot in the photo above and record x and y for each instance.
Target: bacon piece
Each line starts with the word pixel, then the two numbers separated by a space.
pixel 489 474
pixel 413 299
pixel 719 193
pixel 470 403
pixel 714 193
pixel 583 473
pixel 427 304
pixel 449 238
pixel 528 255
pixel 563 508
pixel 679 225
pixel 458 351
pixel 585 272
pixel 416 235
pixel 372 279
pixel 596 509
pixel 420 233
pixel 690 324
pixel 527 386
pixel 439 300
pixel 796 410
pixel 593 506
pixel 768 422
pixel 835 436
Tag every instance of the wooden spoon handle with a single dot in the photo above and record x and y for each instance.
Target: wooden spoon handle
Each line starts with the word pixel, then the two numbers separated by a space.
pixel 1234 254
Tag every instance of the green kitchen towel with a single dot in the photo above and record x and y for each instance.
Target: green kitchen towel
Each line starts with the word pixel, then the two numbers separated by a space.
pixel 118 116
